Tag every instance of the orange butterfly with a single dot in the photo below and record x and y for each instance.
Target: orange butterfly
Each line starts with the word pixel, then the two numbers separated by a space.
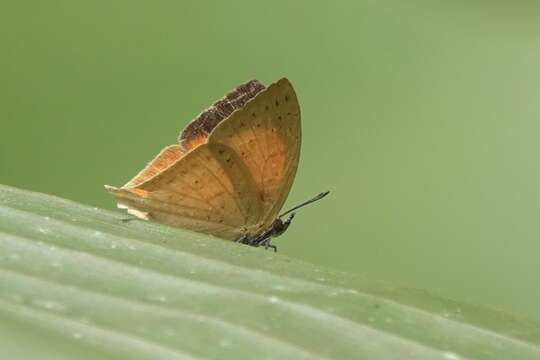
pixel 231 172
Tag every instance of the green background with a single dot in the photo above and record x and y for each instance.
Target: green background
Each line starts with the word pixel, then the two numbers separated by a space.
pixel 421 117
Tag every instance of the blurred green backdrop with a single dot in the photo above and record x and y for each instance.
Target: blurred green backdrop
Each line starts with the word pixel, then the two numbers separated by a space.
pixel 422 117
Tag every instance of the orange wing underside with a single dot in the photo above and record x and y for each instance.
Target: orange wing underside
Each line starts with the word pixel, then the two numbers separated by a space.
pixel 266 135
pixel 198 192
pixel 230 176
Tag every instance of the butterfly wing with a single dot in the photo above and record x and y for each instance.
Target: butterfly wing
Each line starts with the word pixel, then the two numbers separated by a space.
pixel 266 135
pixel 198 130
pixel 232 171
pixel 163 160
pixel 208 190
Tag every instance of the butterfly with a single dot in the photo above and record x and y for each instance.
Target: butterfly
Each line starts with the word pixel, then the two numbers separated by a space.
pixel 231 172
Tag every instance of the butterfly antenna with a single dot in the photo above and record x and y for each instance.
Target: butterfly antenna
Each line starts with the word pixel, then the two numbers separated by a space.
pixel 307 202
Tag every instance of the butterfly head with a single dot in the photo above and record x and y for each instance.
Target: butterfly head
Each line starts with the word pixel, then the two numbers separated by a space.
pixel 280 226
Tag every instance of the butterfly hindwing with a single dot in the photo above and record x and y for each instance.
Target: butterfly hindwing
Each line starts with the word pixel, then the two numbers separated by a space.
pixel 207 190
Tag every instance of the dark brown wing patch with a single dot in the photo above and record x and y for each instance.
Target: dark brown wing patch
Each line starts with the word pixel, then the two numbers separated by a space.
pixel 197 131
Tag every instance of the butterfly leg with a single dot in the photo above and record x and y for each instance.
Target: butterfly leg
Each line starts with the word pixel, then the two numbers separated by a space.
pixel 265 240
pixel 268 244
pixel 243 240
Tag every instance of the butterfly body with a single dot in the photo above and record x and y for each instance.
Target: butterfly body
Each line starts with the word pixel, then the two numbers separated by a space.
pixel 264 238
pixel 231 172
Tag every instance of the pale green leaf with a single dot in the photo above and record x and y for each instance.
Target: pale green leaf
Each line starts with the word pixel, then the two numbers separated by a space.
pixel 77 282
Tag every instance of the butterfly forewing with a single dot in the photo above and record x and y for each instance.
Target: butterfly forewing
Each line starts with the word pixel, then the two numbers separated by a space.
pixel 198 130
pixel 266 134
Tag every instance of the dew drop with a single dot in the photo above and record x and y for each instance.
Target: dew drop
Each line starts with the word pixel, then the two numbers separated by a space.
pixel 160 298
pixel 225 343
pixel 14 257
pixel 49 305
pixel 451 356
pixel 86 320
pixel 43 230
pixel 169 332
